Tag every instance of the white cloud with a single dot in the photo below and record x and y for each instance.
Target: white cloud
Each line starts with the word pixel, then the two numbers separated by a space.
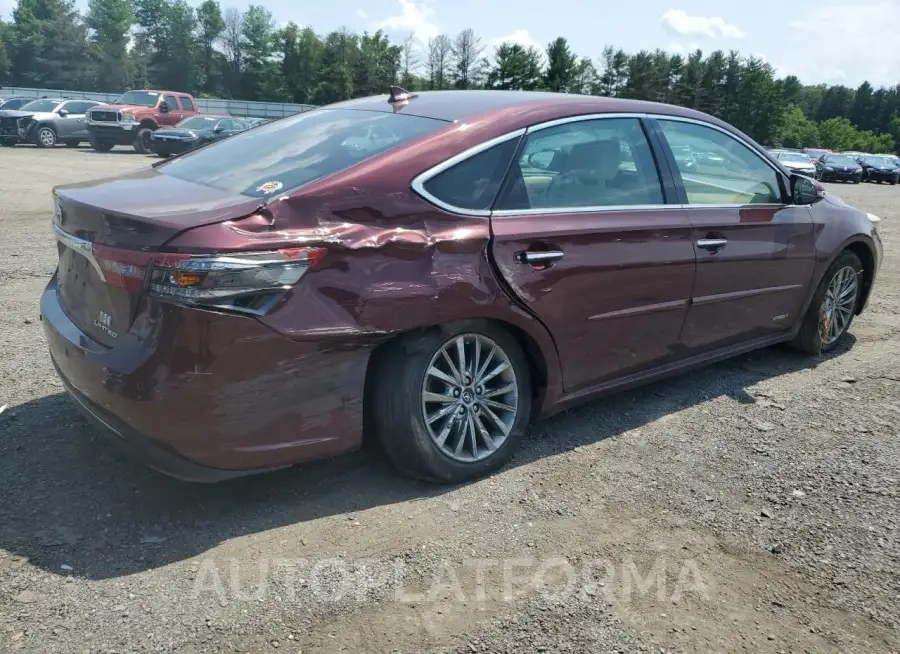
pixel 415 18
pixel 868 44
pixel 682 23
pixel 362 13
pixel 521 36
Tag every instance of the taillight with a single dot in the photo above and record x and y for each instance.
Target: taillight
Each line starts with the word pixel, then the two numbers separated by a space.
pixel 247 282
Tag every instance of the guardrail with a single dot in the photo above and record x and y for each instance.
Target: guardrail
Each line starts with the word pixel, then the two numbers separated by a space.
pixel 206 105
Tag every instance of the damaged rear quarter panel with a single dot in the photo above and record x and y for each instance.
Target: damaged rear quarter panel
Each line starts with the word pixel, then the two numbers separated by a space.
pixel 395 263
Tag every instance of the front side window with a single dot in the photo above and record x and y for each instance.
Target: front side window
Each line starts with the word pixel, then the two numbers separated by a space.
pixel 584 164
pixel 473 183
pixel 170 102
pixel 294 151
pixel 736 175
pixel 78 107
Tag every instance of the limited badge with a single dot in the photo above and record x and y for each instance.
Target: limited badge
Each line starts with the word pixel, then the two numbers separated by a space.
pixel 269 187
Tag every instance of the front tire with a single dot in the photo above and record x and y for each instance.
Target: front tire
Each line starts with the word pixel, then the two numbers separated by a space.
pixel 45 137
pixel 452 403
pixel 102 146
pixel 833 307
pixel 142 141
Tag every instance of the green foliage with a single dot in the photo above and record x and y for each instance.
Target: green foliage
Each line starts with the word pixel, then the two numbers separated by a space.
pixel 517 68
pixel 169 44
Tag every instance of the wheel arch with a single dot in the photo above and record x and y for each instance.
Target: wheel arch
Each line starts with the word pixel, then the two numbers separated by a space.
pixel 866 254
pixel 539 362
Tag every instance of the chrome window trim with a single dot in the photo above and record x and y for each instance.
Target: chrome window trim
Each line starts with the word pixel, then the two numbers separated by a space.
pixel 609 208
pixel 584 117
pixel 418 183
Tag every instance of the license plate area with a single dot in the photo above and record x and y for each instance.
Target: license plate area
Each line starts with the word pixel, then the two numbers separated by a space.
pixel 101 311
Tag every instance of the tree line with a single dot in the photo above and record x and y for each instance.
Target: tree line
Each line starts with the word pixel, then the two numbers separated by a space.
pixel 168 44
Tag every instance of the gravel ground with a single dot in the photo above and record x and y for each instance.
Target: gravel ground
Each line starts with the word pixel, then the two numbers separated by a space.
pixel 751 506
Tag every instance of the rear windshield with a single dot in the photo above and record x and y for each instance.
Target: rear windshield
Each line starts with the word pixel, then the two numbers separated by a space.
pixel 290 152
pixel 138 98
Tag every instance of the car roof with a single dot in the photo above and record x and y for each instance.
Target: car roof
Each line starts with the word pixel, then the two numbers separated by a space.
pixel 455 106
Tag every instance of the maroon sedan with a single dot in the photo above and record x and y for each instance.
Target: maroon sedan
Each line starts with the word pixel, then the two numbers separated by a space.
pixel 440 268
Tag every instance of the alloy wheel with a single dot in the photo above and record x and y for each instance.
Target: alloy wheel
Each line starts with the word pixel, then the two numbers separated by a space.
pixel 838 305
pixel 470 397
pixel 47 137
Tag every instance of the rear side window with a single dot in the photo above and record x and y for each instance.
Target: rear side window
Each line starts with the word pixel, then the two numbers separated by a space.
pixel 186 103
pixel 297 150
pixel 473 183
pixel 584 164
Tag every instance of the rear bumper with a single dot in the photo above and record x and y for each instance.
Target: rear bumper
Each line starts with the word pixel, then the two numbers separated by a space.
pixel 205 396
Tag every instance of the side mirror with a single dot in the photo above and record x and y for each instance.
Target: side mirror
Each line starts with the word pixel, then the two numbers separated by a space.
pixel 164 108
pixel 805 190
pixel 63 112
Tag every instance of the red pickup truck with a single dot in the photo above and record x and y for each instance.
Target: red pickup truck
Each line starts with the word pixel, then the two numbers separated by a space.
pixel 134 116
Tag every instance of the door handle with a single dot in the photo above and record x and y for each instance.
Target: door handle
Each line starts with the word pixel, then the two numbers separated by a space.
pixel 538 258
pixel 712 244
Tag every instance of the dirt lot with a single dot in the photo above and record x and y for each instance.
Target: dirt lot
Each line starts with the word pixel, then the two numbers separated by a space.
pixel 752 506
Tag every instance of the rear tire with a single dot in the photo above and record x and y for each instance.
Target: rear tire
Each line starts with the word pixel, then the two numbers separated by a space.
pixel 72 144
pixel 8 143
pixel 45 137
pixel 810 338
pixel 406 387
pixel 142 141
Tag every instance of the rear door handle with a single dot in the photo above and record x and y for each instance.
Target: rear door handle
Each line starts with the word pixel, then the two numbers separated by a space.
pixel 536 258
pixel 712 244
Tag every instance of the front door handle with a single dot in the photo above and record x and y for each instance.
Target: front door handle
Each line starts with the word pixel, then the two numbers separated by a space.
pixel 712 244
pixel 539 257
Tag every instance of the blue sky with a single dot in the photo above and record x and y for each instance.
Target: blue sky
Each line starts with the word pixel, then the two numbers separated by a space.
pixel 833 41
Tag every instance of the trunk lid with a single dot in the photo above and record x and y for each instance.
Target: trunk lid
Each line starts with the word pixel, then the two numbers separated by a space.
pixel 109 233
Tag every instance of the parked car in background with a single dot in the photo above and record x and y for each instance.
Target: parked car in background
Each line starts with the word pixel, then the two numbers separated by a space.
pixel 193 132
pixel 894 159
pixel 14 103
pixel 135 115
pixel 797 162
pixel 815 153
pixel 879 169
pixel 684 155
pixel 242 308
pixel 838 167
pixel 46 122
